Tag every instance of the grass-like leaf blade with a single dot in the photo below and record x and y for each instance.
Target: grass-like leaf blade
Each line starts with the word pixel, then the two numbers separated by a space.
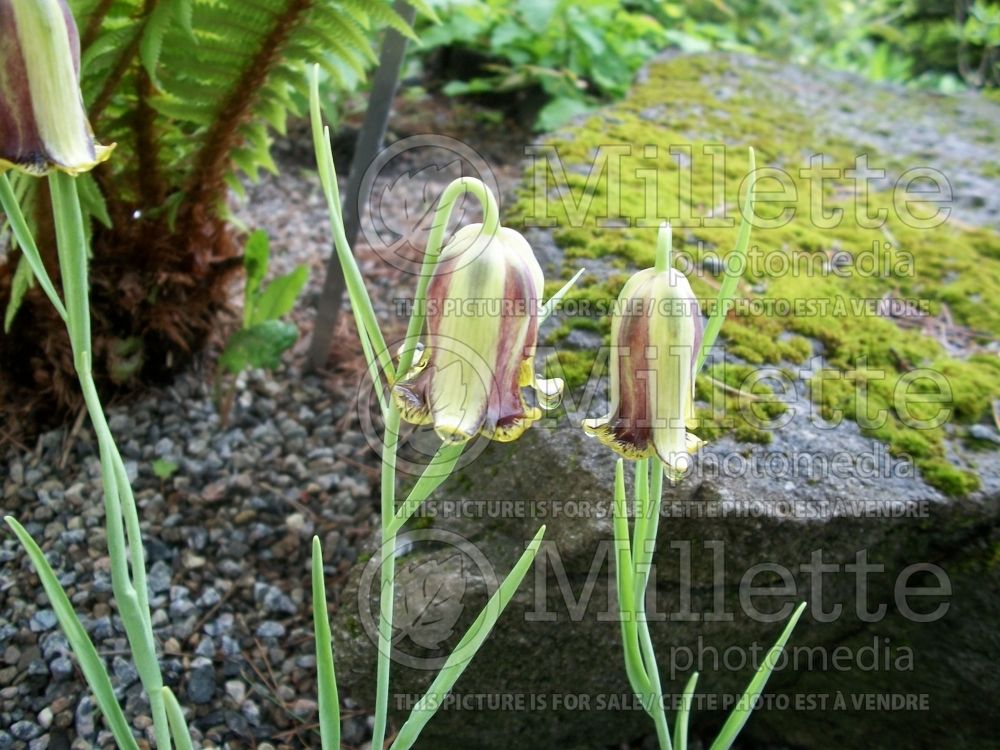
pixel 744 707
pixel 684 713
pixel 86 654
pixel 434 474
pixel 326 676
pixel 459 659
pixel 175 717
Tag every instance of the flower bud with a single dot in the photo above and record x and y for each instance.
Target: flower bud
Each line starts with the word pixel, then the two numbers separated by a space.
pixel 655 335
pixel 483 303
pixel 43 125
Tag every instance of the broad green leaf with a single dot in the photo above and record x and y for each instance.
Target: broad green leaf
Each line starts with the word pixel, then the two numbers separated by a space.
pixel 329 701
pixel 279 297
pixel 164 468
pixel 559 111
pixel 90 663
pixel 259 346
pixel 256 258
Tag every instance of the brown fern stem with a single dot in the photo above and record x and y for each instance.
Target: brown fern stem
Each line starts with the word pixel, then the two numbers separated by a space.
pixel 94 24
pixel 125 60
pixel 152 189
pixel 208 184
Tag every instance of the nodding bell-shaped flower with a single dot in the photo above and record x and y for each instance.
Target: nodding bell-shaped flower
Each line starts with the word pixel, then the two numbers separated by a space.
pixel 43 125
pixel 483 303
pixel 656 331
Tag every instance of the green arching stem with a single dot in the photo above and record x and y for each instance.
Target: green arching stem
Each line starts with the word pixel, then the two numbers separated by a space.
pixel 626 586
pixel 656 494
pixel 390 526
pixel 72 251
pixel 641 513
pixel 491 225
pixel 664 246
pixel 19 228
pixel 648 496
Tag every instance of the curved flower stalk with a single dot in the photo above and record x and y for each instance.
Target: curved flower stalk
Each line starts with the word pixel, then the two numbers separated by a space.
pixel 43 125
pixel 44 131
pixel 656 333
pixel 483 304
pixel 659 347
pixel 466 381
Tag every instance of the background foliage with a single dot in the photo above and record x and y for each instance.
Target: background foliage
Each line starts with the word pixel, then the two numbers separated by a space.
pixel 190 90
pixel 576 54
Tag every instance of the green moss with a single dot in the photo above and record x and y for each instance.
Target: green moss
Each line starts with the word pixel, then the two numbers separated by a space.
pixel 572 365
pixel 614 220
pixel 949 479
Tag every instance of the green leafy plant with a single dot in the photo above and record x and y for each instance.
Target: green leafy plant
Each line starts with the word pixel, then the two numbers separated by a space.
pixel 190 90
pixel 163 468
pixel 385 372
pixel 575 53
pixel 263 337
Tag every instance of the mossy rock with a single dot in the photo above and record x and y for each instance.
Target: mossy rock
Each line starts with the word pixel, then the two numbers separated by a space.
pixel 882 302
pixel 914 501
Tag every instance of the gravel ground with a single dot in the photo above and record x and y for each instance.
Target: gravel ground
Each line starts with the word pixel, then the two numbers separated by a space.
pixel 228 545
pixel 227 533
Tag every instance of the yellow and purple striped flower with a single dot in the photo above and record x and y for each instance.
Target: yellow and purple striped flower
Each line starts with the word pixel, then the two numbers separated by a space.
pixel 483 304
pixel 656 331
pixel 43 124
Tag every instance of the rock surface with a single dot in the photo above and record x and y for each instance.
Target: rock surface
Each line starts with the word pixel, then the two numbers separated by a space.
pixel 899 640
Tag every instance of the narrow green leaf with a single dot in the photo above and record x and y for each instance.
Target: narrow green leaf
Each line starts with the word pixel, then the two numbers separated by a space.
pixel 279 297
pixel 461 657
pixel 25 240
pixel 23 280
pixel 732 280
pixel 556 298
pixel 92 200
pixel 744 707
pixel 681 727
pixel 90 663
pixel 434 474
pixel 175 717
pixel 329 701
